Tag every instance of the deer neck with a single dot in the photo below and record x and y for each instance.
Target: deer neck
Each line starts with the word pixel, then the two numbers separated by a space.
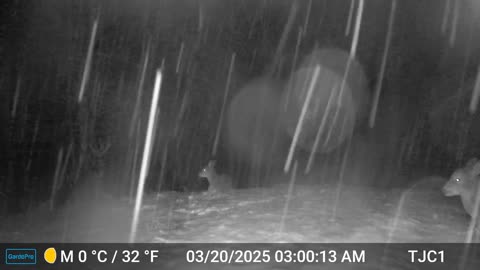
pixel 468 198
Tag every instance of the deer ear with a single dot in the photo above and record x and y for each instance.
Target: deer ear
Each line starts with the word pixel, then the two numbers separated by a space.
pixel 471 163
pixel 475 169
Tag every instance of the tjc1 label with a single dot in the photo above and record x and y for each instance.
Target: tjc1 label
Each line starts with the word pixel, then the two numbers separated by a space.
pixel 426 256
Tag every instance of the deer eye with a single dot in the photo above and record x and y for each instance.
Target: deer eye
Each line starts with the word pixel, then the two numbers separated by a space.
pixel 457 179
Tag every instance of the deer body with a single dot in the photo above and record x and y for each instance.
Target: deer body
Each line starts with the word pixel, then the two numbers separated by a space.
pixel 465 182
pixel 217 182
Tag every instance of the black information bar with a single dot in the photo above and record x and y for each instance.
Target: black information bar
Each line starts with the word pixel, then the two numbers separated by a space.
pixel 238 256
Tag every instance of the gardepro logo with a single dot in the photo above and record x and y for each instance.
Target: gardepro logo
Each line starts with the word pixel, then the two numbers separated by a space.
pixel 20 256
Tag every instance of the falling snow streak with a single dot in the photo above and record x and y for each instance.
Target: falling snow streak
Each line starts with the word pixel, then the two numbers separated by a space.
pixel 56 179
pixel 413 134
pixel 32 144
pixel 358 23
pixel 466 59
pixel 141 82
pixel 179 58
pixel 342 173
pixel 446 15
pixel 398 212
pixel 133 165
pixel 155 131
pixel 471 229
pixel 307 17
pixel 350 15
pixel 181 113
pixel 294 63
pixel 222 112
pixel 334 122
pixel 291 185
pixel 283 38
pixel 474 220
pixel 163 166
pixel 475 93
pixel 201 17
pixel 146 155
pixel 353 51
pixel 320 130
pixel 306 103
pixel 15 98
pixel 88 62
pixel 453 28
pixel 63 171
pixel 378 87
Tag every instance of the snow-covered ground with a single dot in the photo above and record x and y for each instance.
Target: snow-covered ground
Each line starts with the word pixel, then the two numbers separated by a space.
pixel 311 213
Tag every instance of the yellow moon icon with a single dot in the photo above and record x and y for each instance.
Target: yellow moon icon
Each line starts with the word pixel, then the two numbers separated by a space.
pixel 50 255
